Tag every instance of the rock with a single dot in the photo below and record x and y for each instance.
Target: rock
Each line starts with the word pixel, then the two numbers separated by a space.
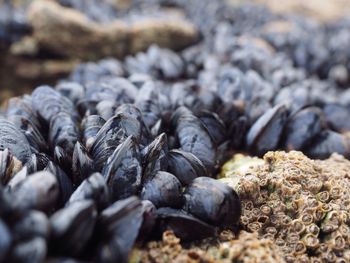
pixel 69 33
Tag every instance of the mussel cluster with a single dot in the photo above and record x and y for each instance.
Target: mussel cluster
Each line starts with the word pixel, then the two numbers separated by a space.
pixel 74 158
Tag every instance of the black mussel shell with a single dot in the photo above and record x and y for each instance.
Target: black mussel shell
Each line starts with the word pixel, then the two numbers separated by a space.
pixel 154 156
pixel 64 182
pixel 92 188
pixel 337 117
pixel 193 137
pixel 32 250
pixel 123 170
pixel 62 159
pixel 109 218
pixel 5 240
pixel 149 219
pixel 113 88
pixel 33 135
pixel 106 109
pixel 37 162
pixel 33 224
pixel 163 189
pixel 302 127
pixel 91 126
pixel 120 225
pixel 14 140
pixel 265 133
pixel 73 226
pixel 237 131
pixel 38 191
pixel 214 125
pixel 132 111
pixel 185 166
pixel 114 132
pixel 63 132
pixel 212 202
pixel 328 142
pixel 72 90
pixel 82 164
pixel 151 112
pixel 87 107
pixel 22 107
pixel 48 102
pixel 184 225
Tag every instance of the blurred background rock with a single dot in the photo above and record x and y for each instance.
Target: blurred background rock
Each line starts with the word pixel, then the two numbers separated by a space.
pixel 50 48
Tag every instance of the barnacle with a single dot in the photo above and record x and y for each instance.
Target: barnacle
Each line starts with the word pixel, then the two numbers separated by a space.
pixel 307 203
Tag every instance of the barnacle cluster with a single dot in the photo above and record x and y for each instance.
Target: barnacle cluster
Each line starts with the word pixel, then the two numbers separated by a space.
pixel 302 205
pixel 248 247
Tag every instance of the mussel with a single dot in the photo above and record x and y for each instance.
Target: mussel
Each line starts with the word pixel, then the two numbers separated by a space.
pixel 123 170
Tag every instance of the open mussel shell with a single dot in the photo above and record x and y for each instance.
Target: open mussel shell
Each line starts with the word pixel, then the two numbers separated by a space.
pixel 120 226
pixel 265 133
pixel 82 164
pixel 14 140
pixel 72 227
pixel 62 159
pixel 193 136
pixel 91 126
pixel 163 189
pixel 185 166
pixel 213 202
pixel 132 111
pixel 37 162
pixel 154 156
pixel 115 131
pixel 33 135
pixel 184 225
pixel 18 178
pixel 302 127
pixel 92 188
pixel 123 170
pixel 9 166
pixel 38 191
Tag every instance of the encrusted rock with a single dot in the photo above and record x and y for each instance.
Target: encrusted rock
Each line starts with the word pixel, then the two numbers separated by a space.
pixel 246 248
pixel 302 205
